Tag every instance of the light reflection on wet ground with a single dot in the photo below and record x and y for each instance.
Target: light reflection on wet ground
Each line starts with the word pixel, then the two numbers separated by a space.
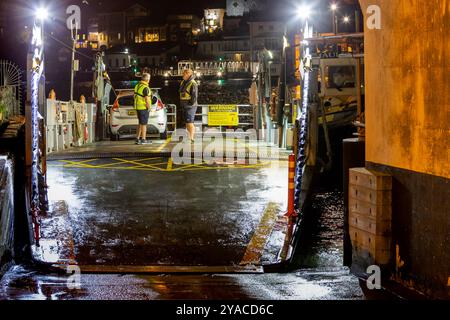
pixel 324 284
pixel 132 217
pixel 102 216
pixel 322 277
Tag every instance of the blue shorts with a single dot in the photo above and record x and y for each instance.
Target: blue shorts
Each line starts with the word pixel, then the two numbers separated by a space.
pixel 143 116
pixel 189 113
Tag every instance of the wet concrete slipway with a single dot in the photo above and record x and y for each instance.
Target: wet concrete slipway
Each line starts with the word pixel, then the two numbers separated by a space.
pixel 141 226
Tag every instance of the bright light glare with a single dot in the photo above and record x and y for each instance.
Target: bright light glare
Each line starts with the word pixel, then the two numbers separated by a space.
pixel 346 19
pixel 41 13
pixel 304 12
pixel 334 6
pixel 285 43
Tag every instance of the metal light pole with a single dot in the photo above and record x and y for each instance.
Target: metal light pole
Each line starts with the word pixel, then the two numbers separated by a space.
pixel 357 22
pixel 74 32
pixel 334 8
pixel 32 115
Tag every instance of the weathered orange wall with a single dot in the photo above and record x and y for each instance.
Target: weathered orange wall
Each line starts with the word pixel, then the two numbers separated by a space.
pixel 408 86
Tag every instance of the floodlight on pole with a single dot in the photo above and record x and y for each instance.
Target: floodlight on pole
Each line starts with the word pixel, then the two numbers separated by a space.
pixel 304 12
pixel 334 8
pixel 41 13
pixel 346 19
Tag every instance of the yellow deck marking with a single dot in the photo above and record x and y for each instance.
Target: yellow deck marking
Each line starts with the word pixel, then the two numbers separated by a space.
pixel 109 168
pixel 150 168
pixel 158 166
pixel 169 164
pixel 119 162
pixel 187 166
pixel 139 165
pixel 164 144
pixel 83 164
pixel 80 164
pixel 256 246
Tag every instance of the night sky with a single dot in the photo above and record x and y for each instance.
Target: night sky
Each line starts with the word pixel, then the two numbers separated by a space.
pixel 18 18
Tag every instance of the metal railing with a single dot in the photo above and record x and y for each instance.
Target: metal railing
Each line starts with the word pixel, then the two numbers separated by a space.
pixel 9 101
pixel 246 115
pixel 10 90
pixel 69 124
pixel 171 118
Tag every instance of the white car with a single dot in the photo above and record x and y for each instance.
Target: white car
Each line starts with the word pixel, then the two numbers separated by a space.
pixel 123 119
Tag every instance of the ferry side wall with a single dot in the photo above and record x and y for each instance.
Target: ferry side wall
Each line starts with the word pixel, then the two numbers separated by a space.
pixel 407 74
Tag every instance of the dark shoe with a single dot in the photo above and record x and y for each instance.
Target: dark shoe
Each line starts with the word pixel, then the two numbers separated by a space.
pixel 138 141
pixel 192 141
pixel 146 141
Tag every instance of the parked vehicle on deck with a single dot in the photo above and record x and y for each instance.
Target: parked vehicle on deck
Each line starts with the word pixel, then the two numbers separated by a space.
pixel 123 119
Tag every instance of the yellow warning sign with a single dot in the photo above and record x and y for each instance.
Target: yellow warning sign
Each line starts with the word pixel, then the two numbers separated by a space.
pixel 223 115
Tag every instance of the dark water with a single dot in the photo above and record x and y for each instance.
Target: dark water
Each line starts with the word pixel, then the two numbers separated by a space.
pixel 321 232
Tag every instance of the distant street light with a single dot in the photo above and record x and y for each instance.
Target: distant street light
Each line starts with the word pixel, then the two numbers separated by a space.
pixel 334 6
pixel 346 19
pixel 304 12
pixel 41 14
pixel 219 74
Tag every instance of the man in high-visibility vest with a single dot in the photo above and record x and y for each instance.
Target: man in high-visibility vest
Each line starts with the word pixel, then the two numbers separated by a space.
pixel 142 104
pixel 188 101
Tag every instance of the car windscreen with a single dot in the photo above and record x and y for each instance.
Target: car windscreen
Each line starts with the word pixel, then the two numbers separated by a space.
pixel 126 101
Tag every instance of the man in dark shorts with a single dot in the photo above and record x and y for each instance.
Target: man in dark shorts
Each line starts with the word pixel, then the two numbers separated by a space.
pixel 142 104
pixel 188 101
